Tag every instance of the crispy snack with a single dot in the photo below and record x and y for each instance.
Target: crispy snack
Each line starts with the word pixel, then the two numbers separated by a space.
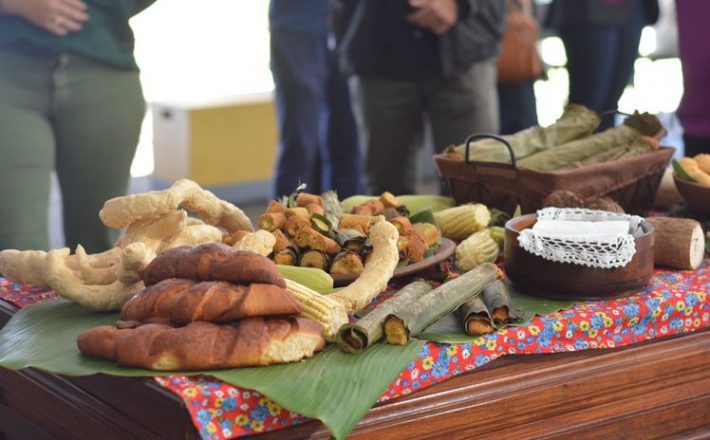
pixel 262 242
pixel 171 230
pixel 281 241
pixel 234 237
pixel 154 223
pixel 378 269
pixel 102 281
pixel 119 212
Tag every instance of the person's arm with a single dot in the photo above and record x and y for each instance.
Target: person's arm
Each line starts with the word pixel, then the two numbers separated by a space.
pixel 59 17
pixel 436 15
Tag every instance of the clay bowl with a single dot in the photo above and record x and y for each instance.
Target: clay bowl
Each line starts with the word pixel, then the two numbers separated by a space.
pixel 549 279
pixel 696 196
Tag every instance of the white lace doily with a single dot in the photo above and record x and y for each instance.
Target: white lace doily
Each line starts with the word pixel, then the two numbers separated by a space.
pixel 604 252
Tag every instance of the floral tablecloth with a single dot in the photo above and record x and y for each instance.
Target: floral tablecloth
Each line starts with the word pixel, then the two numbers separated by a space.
pixel 675 302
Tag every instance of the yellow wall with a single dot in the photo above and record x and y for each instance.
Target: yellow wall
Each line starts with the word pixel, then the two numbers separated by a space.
pixel 216 144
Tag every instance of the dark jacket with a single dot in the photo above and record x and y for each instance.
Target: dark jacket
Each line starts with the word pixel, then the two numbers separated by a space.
pixel 376 39
pixel 567 13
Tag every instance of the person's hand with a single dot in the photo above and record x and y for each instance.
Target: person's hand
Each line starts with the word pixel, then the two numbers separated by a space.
pixel 436 15
pixel 59 17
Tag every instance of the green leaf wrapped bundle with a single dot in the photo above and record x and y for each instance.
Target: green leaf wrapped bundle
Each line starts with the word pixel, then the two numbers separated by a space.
pixel 353 338
pixel 403 324
pixel 641 145
pixel 571 153
pixel 475 317
pixel 577 121
pixel 499 303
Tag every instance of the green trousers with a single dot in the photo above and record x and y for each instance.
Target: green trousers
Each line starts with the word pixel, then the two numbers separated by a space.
pixel 70 115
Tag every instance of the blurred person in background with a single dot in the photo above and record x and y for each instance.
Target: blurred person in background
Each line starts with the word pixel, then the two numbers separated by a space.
pixel 417 60
pixel 693 39
pixel 601 38
pixel 70 101
pixel 516 98
pixel 318 139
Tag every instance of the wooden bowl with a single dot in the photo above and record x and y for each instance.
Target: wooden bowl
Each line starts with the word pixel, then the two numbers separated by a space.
pixel 696 196
pixel 537 276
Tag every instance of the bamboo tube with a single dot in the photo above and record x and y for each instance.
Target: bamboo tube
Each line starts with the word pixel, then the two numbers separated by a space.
pixel 353 338
pixel 403 324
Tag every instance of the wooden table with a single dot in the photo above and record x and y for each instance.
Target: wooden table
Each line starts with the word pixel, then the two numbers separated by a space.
pixel 657 389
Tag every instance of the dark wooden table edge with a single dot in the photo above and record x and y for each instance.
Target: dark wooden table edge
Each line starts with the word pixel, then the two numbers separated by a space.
pixel 454 395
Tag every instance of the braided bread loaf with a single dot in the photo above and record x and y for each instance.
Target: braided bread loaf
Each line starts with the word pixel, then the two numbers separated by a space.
pixel 203 345
pixel 182 301
pixel 212 262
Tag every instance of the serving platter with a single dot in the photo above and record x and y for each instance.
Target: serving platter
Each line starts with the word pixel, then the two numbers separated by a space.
pixel 446 249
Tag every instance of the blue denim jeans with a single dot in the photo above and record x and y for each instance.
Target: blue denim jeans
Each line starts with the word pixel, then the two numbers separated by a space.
pixel 600 61
pixel 318 139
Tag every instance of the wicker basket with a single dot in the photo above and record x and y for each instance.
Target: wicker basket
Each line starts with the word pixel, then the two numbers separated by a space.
pixel 631 182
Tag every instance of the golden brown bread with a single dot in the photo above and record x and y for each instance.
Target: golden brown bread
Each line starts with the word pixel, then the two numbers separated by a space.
pixel 183 301
pixel 212 262
pixel 203 345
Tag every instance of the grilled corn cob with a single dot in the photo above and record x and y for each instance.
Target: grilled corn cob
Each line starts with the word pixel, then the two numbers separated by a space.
pixel 477 249
pixel 462 221
pixel 329 313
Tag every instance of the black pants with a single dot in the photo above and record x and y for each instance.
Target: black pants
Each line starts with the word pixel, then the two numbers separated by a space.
pixel 391 115
pixel 600 61
pixel 318 139
pixel 696 145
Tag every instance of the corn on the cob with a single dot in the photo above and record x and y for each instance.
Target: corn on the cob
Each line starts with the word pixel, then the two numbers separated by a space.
pixel 477 249
pixel 462 221
pixel 329 313
pixel 314 279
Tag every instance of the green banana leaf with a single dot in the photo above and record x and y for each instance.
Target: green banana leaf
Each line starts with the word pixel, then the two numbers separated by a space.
pixel 449 329
pixel 337 388
pixel 413 202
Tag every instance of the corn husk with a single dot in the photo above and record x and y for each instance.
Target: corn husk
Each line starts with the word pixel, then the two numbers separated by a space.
pixel 571 153
pixel 641 145
pixel 475 317
pixel 499 303
pixel 353 338
pixel 403 324
pixel 577 121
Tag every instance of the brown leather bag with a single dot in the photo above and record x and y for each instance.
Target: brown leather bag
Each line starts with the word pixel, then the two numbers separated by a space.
pixel 519 59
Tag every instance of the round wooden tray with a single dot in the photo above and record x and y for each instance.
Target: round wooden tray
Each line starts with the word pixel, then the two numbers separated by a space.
pixel 549 279
pixel 446 248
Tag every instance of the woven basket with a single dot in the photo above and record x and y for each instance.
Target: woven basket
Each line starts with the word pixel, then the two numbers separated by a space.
pixel 631 182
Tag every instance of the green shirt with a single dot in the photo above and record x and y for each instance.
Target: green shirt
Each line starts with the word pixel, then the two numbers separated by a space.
pixel 106 37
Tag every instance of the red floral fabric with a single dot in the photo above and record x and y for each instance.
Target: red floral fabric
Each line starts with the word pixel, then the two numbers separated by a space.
pixel 676 302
